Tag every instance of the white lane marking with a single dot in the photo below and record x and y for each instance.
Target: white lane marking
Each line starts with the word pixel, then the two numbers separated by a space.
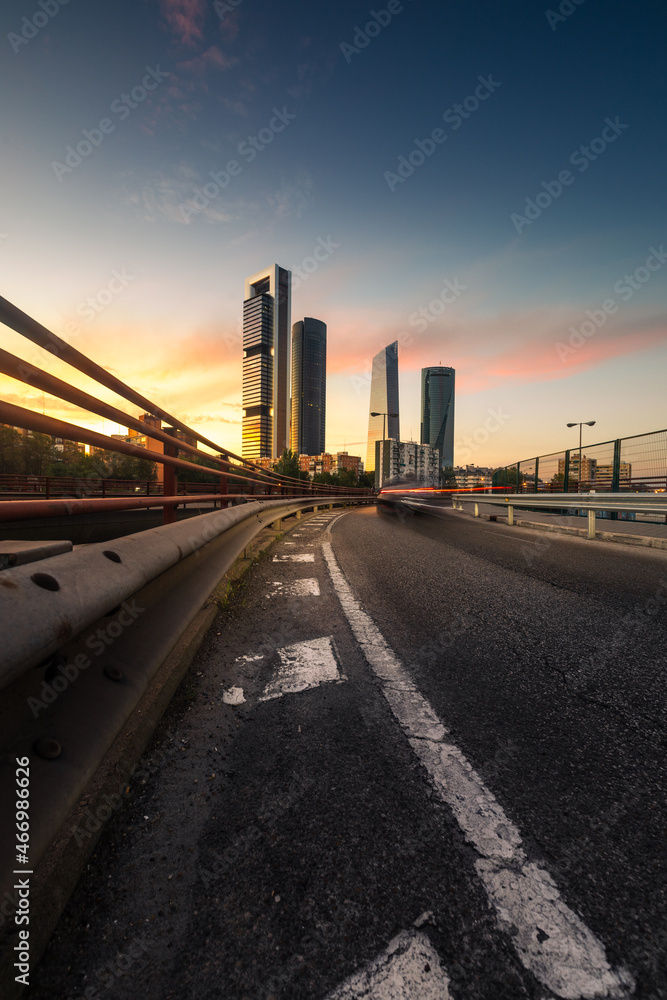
pixel 303 665
pixel 233 696
pixel 551 941
pixel 296 557
pixel 308 587
pixel 408 969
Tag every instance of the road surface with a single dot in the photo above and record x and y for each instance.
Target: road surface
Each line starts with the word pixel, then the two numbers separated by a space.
pixel 415 758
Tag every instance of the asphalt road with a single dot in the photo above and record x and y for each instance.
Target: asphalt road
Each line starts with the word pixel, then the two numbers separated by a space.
pixel 447 778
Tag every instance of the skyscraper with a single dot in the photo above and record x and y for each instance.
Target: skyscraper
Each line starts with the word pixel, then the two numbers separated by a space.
pixel 384 400
pixel 437 412
pixel 309 386
pixel 266 356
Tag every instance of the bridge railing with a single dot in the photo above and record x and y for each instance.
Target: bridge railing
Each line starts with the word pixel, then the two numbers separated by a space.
pixel 592 503
pixel 170 446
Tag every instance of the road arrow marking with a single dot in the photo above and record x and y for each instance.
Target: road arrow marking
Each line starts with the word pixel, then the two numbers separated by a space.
pixel 408 969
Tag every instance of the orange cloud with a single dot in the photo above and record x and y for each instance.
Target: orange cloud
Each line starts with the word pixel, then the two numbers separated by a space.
pixel 185 18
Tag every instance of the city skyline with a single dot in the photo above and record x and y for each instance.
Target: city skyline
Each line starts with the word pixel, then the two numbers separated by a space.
pixel 476 183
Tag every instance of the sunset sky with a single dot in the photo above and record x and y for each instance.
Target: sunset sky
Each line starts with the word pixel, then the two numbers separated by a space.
pixel 313 125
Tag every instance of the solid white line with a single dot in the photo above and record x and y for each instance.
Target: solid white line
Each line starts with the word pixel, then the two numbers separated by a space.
pixel 549 938
pixel 408 969
pixel 303 665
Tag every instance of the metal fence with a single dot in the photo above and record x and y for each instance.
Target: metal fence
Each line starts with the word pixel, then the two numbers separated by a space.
pixel 636 464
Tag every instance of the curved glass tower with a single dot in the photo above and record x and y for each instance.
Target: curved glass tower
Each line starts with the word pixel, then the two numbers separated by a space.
pixel 309 386
pixel 384 400
pixel 437 423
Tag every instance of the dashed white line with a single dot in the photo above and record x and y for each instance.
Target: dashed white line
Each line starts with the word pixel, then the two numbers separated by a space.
pixel 303 665
pixel 550 939
pixel 308 587
pixel 296 557
pixel 408 969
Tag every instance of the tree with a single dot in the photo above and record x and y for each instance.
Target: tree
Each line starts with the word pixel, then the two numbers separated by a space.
pixel 288 464
pixel 448 477
pixel 11 455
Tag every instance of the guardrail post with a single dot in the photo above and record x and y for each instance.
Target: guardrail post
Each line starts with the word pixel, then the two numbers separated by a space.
pixel 591 524
pixel 278 525
pixel 298 515
pixel 170 487
pixel 315 509
pixel 510 514
pixel 476 510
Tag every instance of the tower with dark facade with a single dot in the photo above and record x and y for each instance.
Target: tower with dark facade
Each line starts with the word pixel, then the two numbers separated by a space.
pixel 309 386
pixel 437 412
pixel 266 359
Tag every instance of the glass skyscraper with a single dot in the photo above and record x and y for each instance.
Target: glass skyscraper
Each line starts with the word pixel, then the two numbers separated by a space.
pixel 309 386
pixel 437 412
pixel 384 400
pixel 266 357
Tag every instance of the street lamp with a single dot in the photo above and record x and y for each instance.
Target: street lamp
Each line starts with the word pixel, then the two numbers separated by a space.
pixel 384 417
pixel 579 424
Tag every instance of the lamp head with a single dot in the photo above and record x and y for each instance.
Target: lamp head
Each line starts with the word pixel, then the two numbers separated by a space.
pixel 376 414
pixel 572 425
pixel 589 423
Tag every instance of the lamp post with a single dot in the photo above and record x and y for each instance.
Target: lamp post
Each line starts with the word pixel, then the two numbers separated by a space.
pixel 384 418
pixel 580 424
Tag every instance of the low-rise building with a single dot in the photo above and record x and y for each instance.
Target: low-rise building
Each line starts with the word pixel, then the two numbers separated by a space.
pixel 406 461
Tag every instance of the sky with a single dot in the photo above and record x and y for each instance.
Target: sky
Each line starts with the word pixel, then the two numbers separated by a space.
pixel 484 182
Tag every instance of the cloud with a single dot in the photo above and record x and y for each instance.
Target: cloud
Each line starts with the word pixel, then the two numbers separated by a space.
pixel 185 18
pixel 510 348
pixel 211 58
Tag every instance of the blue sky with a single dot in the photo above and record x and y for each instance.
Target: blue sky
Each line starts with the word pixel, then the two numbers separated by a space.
pixel 334 112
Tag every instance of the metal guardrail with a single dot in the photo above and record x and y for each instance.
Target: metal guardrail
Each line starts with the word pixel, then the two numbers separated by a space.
pixel 44 605
pixel 83 636
pixel 637 503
